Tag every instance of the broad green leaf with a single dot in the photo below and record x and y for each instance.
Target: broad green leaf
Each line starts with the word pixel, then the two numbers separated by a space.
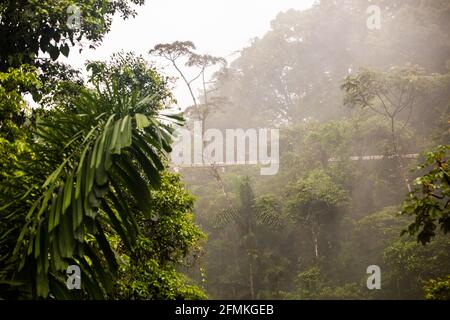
pixel 141 121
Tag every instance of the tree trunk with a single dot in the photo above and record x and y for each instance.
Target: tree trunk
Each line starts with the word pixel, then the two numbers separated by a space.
pixel 315 235
pixel 252 287
pixel 398 156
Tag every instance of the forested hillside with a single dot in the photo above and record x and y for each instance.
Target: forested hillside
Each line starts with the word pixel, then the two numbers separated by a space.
pixel 337 91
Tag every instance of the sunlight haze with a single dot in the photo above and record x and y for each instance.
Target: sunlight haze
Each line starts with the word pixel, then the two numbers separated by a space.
pixel 218 27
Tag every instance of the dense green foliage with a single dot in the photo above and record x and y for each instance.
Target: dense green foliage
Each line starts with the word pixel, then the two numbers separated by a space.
pixel 28 26
pixel 339 92
pixel 149 272
pixel 84 177
pixel 364 159
pixel 89 179
pixel 429 202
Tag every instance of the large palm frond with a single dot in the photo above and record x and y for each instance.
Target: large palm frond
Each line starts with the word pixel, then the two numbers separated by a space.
pixel 106 155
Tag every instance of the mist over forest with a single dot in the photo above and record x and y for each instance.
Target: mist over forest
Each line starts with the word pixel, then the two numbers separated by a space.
pixel 349 100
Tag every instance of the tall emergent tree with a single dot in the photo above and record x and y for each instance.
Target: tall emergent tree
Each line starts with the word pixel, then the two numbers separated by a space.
pixel 390 95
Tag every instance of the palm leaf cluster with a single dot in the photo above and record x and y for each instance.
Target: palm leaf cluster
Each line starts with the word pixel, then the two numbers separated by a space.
pixel 105 155
pixel 249 211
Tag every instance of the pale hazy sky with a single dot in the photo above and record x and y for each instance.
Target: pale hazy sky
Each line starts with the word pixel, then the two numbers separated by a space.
pixel 217 27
